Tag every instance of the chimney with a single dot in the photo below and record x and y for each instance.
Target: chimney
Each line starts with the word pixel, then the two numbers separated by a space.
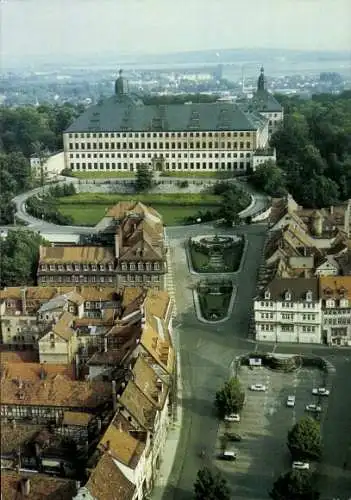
pixel 116 246
pixel 331 210
pixel 25 487
pixel 105 344
pixel 120 427
pixel 114 396
pixel 347 218
pixel 24 300
pixel 77 486
pixel 99 424
pixel 20 383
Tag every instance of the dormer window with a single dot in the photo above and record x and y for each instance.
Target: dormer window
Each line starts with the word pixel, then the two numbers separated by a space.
pixel 102 267
pixel 309 296
pixel 267 295
pixel 287 295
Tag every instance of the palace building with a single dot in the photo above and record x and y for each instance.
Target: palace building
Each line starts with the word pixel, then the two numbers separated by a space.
pixel 121 132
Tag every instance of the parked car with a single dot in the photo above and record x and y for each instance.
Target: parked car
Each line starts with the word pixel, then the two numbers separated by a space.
pixel 232 436
pixel 258 388
pixel 313 407
pixel 301 465
pixel 228 455
pixel 233 417
pixel 291 401
pixel 320 391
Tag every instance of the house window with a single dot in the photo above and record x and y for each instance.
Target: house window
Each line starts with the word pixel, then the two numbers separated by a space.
pixel 102 267
pixel 287 295
pixel 76 267
pixel 309 296
pixel 267 295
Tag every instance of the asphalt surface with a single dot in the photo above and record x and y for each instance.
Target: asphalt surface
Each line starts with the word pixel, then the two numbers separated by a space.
pixel 207 355
pixel 48 229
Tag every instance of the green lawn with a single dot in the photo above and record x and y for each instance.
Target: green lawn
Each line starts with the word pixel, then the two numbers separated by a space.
pixel 214 304
pixel 231 258
pixel 102 175
pixel 88 208
pixel 107 200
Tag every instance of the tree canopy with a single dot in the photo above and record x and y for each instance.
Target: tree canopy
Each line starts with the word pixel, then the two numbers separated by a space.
pixel 19 254
pixel 25 131
pixel 294 485
pixel 210 486
pixel 144 178
pixel 314 149
pixel 304 439
pixel 230 399
pixel 234 200
pixel 269 178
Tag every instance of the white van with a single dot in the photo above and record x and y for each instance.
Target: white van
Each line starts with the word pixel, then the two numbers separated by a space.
pixel 229 455
pixel 291 401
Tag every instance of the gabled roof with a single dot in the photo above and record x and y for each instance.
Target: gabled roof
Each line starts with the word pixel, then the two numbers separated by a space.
pixel 115 115
pixel 138 405
pixel 107 481
pixel 121 444
pixel 149 383
pixel 63 327
pixel 335 287
pixel 149 252
pixel 83 254
pixel 56 391
pixel 298 288
pixel 125 208
pixel 265 102
pixel 41 486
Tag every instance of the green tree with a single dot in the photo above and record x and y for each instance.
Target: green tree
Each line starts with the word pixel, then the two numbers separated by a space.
pixel 144 178
pixel 294 485
pixel 230 399
pixel 230 208
pixel 19 254
pixel 210 486
pixel 269 178
pixel 304 439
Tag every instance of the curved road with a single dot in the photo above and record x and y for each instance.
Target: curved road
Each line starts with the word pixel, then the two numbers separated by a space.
pixel 47 228
pixel 207 353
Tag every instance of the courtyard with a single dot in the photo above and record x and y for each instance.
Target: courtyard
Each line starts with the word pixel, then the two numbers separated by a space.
pixel 175 208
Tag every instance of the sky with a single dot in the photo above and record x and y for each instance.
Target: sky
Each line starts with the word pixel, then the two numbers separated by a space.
pixel 57 28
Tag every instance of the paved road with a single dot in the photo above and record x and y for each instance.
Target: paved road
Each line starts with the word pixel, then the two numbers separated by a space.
pixel 207 353
pixel 259 203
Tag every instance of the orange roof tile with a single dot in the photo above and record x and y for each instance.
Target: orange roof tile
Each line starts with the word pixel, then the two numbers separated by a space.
pixel 138 405
pixel 121 444
pixel 107 481
pixel 78 418
pixel 56 391
pixel 335 287
pixel 41 486
pixel 76 254
pixel 31 372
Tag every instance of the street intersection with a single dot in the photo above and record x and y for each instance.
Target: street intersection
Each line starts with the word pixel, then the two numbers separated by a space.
pixel 207 353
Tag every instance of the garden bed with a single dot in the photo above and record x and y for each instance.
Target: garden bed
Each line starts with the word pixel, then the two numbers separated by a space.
pixel 216 254
pixel 214 300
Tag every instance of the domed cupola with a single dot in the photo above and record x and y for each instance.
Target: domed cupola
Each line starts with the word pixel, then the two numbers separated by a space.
pixel 261 82
pixel 121 85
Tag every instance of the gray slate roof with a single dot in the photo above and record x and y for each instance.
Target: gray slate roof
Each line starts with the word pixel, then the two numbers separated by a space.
pixel 264 101
pixel 298 288
pixel 126 113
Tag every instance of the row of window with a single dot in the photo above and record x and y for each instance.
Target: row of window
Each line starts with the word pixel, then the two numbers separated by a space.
pixel 159 145
pixel 289 305
pixel 337 312
pixel 76 279
pixel 286 328
pixel 305 317
pixel 167 165
pixel 166 155
pixel 340 321
pixel 139 278
pixel 132 266
pixel 136 135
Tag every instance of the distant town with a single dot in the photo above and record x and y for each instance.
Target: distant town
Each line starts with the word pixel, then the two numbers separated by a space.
pixel 229 76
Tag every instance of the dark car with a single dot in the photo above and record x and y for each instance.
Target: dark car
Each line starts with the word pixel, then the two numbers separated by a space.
pixel 232 436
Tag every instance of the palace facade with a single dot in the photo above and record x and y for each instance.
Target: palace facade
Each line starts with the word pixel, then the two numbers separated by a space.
pixel 121 132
